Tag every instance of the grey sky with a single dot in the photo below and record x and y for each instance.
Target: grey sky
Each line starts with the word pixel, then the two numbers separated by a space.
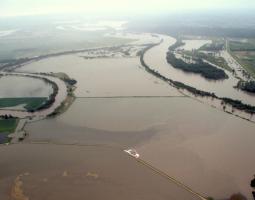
pixel 26 7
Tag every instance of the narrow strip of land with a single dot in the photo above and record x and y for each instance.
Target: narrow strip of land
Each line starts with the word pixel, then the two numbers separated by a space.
pixel 161 173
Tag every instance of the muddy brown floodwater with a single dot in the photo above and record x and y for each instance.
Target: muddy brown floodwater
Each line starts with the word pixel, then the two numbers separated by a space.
pixel 19 86
pixel 104 77
pixel 207 149
pixel 50 172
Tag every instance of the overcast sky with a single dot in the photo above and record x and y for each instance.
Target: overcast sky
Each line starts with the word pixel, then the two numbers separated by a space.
pixel 30 7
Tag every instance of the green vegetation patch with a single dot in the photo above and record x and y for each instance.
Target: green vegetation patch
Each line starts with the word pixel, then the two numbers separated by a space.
pixel 243 55
pixel 248 86
pixel 31 103
pixel 176 45
pixel 216 45
pixel 7 126
pixel 248 45
pixel 200 67
pixel 211 57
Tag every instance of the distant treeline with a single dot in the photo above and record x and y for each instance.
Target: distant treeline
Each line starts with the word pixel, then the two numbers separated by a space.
pixel 174 29
pixel 200 67
pixel 205 31
pixel 234 103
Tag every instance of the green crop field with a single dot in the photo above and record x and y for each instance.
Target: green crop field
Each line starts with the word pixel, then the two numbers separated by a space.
pixel 244 53
pixel 31 103
pixel 7 126
pixel 248 45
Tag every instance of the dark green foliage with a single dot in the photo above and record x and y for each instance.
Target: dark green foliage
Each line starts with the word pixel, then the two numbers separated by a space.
pixel 200 67
pixel 193 90
pixel 247 86
pixel 51 98
pixel 177 44
pixel 253 183
pixel 215 46
pixel 70 81
pixel 31 102
pixel 7 126
pixel 239 105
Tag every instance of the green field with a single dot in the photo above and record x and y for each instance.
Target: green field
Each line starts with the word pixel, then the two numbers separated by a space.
pixel 247 45
pixel 244 53
pixel 31 103
pixel 7 126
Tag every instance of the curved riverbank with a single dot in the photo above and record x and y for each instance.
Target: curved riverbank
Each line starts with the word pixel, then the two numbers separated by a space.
pixel 224 103
pixel 156 59
pixel 54 101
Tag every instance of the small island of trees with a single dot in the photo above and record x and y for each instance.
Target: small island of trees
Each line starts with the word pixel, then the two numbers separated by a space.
pixel 248 86
pixel 199 67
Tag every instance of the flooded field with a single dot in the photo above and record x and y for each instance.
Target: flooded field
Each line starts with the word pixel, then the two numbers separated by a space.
pixel 18 86
pixel 30 171
pixel 194 44
pixel 122 106
pixel 105 76
pixel 156 59
pixel 210 151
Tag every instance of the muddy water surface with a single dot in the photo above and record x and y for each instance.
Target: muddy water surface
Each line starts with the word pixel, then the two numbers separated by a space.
pixel 18 86
pixel 104 77
pixel 207 149
pixel 67 172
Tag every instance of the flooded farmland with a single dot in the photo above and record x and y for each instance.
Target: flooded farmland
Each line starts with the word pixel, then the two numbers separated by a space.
pixel 105 76
pixel 120 105
pixel 18 86
pixel 210 151
pixel 194 44
pixel 75 172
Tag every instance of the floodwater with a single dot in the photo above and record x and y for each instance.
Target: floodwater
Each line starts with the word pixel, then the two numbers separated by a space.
pixel 105 76
pixel 194 44
pixel 206 149
pixel 156 59
pixel 18 86
pixel 51 172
